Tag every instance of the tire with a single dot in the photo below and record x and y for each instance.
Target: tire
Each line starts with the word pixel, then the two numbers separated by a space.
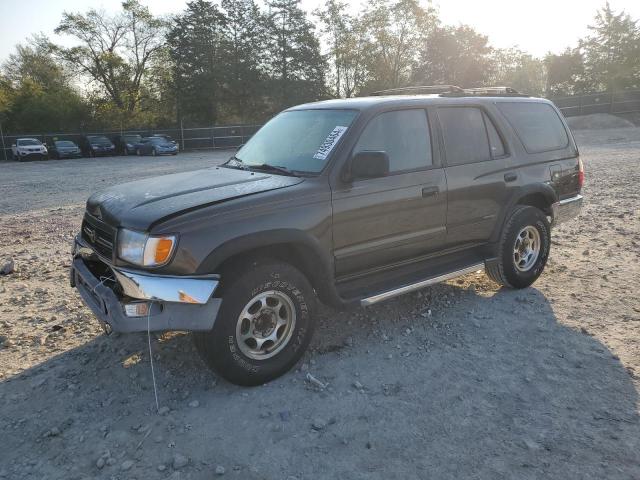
pixel 517 265
pixel 230 348
pixel 125 152
pixel 138 152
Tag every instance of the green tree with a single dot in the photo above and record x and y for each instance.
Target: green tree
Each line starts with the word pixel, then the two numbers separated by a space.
pixel 195 42
pixel 113 52
pixel 38 94
pixel 565 73
pixel 454 56
pixel 244 56
pixel 295 66
pixel 612 51
pixel 514 68
pixel 396 29
pixel 346 37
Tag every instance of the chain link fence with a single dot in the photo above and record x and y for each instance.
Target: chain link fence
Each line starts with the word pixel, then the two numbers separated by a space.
pixel 198 138
pixel 615 103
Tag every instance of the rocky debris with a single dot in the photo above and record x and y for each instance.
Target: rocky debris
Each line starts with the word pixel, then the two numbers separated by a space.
pixel 314 381
pixel 194 404
pixel 179 461
pixel 126 465
pixel 7 267
pixel 220 470
pixel 54 432
pixel 318 424
pixel 163 410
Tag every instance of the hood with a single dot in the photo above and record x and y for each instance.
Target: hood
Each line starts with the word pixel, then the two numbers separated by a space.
pixel 141 204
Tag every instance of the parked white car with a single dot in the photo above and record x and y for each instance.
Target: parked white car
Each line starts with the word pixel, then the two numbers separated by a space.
pixel 25 148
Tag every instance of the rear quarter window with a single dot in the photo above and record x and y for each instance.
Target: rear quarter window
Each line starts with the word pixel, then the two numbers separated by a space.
pixel 537 125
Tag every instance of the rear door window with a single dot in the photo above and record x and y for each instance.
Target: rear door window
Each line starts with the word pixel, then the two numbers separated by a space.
pixel 403 135
pixel 537 125
pixel 495 142
pixel 465 135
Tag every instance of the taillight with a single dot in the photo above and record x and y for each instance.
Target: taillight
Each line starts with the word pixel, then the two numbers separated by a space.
pixel 580 173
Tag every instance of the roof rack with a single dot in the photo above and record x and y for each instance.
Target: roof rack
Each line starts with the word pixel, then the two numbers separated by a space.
pixel 489 92
pixel 422 89
pixel 452 91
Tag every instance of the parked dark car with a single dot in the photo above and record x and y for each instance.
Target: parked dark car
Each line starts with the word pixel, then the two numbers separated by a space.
pixel 156 146
pixel 126 144
pixel 64 149
pixel 96 145
pixel 350 202
pixel 168 138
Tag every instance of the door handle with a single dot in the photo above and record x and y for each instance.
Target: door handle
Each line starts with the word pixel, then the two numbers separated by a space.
pixel 510 177
pixel 430 191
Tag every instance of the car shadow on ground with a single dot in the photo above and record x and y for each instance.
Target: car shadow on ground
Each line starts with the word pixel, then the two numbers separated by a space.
pixel 487 385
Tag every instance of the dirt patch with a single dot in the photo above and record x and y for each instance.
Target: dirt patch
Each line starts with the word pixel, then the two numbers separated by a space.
pixel 462 380
pixel 598 121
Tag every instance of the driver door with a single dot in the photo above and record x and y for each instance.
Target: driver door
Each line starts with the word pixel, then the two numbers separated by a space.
pixel 379 222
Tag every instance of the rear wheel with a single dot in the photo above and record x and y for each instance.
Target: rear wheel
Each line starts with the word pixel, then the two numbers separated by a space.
pixel 264 324
pixel 523 249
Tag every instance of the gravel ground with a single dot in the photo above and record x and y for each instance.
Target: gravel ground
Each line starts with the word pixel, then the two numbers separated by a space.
pixel 462 380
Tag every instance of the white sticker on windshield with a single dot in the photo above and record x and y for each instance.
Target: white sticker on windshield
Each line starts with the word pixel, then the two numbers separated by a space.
pixel 329 142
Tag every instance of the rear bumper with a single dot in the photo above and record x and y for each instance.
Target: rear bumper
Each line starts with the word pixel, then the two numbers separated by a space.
pixel 566 209
pixel 175 303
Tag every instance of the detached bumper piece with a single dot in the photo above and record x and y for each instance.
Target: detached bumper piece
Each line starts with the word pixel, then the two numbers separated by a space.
pixel 125 301
pixel 566 209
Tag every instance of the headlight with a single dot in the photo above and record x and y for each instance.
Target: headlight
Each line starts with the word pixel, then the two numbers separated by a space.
pixel 129 145
pixel 145 250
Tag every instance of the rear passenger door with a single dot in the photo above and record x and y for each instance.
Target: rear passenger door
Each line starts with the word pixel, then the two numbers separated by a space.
pixel 379 222
pixel 476 164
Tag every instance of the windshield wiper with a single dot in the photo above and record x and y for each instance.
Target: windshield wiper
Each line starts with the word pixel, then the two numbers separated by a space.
pixel 273 168
pixel 235 162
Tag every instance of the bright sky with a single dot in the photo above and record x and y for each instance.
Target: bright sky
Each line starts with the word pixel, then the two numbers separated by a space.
pixel 536 26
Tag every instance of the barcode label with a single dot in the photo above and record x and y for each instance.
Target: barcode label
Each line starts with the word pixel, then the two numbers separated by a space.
pixel 330 142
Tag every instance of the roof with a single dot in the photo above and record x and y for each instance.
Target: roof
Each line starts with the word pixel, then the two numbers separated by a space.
pixel 364 103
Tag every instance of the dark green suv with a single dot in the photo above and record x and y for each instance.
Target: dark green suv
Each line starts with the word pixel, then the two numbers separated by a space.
pixel 344 201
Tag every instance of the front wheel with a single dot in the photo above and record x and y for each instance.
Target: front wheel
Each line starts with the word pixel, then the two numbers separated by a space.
pixel 264 324
pixel 523 250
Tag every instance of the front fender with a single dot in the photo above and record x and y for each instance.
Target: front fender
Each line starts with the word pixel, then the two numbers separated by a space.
pixel 261 240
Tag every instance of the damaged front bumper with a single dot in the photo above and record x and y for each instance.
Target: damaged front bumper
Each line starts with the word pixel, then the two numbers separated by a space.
pixel 173 302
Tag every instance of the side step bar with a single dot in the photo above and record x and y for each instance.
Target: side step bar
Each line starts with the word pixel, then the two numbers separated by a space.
pixel 365 302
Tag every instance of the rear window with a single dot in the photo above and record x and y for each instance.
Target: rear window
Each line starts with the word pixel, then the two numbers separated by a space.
pixel 537 124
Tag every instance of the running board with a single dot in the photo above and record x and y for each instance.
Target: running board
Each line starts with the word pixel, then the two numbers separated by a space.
pixel 365 302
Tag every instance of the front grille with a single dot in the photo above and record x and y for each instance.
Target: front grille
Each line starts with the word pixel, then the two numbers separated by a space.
pixel 99 235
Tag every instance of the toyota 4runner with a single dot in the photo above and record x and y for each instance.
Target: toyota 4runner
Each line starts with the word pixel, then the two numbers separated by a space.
pixel 351 202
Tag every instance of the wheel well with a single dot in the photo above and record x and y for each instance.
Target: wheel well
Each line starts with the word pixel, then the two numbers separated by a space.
pixel 537 200
pixel 301 256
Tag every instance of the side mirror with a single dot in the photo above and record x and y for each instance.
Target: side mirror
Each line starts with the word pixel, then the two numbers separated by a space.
pixel 13 145
pixel 368 164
